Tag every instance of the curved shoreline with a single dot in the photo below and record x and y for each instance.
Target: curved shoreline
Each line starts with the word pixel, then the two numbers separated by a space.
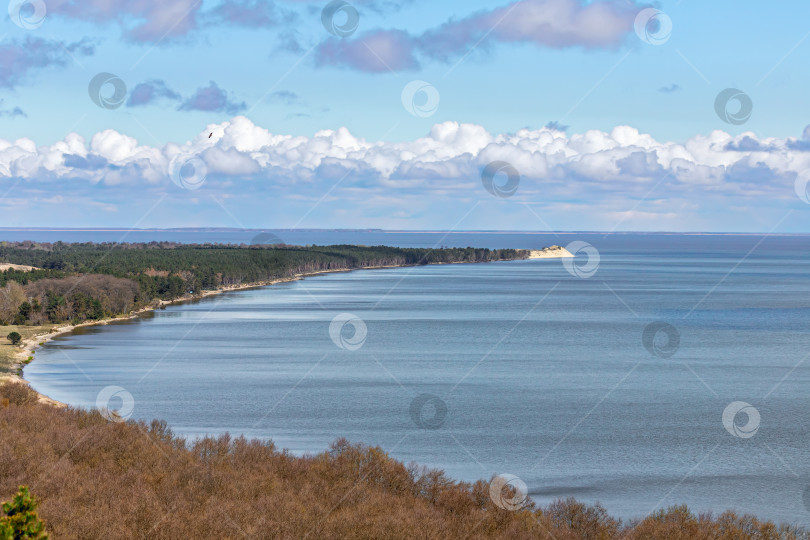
pixel 30 345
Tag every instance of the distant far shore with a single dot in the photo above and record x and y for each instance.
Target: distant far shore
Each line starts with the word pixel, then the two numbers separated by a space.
pixel 396 231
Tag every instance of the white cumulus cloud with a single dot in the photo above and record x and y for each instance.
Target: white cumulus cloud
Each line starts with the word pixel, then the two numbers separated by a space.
pixel 451 156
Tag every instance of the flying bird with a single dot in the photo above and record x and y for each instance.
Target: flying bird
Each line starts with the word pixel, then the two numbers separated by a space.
pixel 209 135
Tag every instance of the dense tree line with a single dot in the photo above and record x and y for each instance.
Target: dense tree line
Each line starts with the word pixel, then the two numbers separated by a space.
pixel 74 298
pixel 235 263
pixel 23 277
pixel 76 282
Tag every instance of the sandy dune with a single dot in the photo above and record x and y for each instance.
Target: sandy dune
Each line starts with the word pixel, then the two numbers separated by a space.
pixel 551 252
pixel 24 268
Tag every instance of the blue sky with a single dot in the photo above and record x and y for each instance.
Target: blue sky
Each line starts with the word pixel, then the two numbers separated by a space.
pixel 606 131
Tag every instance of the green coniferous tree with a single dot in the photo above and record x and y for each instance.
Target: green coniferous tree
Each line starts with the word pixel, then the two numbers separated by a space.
pixel 21 521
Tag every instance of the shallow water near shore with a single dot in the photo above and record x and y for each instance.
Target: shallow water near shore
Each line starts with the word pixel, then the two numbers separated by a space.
pixel 543 374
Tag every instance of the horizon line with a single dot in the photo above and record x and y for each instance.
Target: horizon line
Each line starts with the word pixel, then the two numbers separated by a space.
pixel 389 231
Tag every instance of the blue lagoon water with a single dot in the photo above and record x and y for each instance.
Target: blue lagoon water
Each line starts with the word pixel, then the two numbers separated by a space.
pixel 543 374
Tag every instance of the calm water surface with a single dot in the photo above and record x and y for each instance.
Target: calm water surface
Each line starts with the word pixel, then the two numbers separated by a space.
pixel 543 374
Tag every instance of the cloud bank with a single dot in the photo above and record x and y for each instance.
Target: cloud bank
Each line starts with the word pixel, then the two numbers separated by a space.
pixel 594 164
pixel 602 24
pixel 158 21
pixel 143 21
pixel 556 24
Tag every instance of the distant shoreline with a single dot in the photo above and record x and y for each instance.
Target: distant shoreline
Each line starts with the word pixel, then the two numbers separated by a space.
pixel 398 231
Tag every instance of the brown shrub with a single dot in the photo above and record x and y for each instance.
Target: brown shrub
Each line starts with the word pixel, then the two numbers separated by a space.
pixel 100 479
pixel 17 393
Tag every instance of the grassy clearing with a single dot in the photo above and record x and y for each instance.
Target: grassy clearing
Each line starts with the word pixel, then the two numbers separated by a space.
pixel 9 352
